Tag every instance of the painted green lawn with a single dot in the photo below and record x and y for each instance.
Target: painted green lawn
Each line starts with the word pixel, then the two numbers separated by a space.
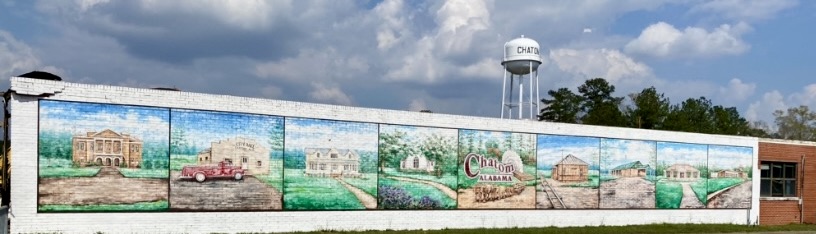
pixel 651 228
pixel 58 172
pixel 717 184
pixel 145 173
pixel 177 161
pixel 367 182
pixel 275 177
pixel 699 189
pixel 316 193
pixel 417 190
pixel 140 206
pixel 668 195
pixel 446 179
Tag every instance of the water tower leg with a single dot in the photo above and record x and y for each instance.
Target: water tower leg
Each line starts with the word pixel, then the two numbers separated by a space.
pixel 538 99
pixel 531 90
pixel 521 96
pixel 504 89
pixel 510 99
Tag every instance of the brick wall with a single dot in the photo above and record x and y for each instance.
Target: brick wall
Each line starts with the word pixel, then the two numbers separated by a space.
pixel 24 134
pixel 786 211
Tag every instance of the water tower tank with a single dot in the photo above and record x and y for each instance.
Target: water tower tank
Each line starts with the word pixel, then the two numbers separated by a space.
pixel 518 53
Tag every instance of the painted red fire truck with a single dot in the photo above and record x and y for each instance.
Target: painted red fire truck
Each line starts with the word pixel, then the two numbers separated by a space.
pixel 224 169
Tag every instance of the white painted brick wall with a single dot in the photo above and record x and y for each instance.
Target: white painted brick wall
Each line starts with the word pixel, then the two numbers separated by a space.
pixel 25 219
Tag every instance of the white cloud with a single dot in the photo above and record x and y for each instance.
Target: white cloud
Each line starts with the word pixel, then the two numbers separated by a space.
pixel 806 97
pixel 16 58
pixel 664 40
pixel 329 94
pixel 392 29
pixel 248 15
pixel 612 65
pixel 671 153
pixel 763 109
pixel 314 63
pixel 615 152
pixel 342 135
pixel 728 157
pixel 737 91
pixel 744 9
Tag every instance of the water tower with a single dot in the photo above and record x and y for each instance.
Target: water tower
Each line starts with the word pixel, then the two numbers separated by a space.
pixel 521 57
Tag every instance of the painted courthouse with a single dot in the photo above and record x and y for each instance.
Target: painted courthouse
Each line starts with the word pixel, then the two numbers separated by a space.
pixel 336 174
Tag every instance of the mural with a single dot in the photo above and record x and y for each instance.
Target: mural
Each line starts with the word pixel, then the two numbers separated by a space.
pixel 330 165
pixel 568 171
pixel 418 168
pixel 730 172
pixel 100 157
pixel 497 170
pixel 681 171
pixel 627 173
pixel 225 161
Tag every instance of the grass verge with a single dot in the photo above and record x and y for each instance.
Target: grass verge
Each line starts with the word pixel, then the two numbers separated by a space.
pixel 652 228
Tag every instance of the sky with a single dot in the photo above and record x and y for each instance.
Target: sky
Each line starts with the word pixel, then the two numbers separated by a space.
pixel 729 157
pixel 444 56
pixel 148 124
pixel 670 153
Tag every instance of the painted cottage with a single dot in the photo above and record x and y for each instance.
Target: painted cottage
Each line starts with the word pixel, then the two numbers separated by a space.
pixel 417 163
pixel 570 169
pixel 632 169
pixel 681 171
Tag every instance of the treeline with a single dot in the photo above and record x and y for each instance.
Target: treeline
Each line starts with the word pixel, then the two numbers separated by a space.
pixel 596 104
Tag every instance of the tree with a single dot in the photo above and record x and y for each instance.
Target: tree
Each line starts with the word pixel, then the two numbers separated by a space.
pixel 442 151
pixel 392 148
pixel 600 106
pixel 649 109
pixel 276 138
pixel 728 121
pixel 797 123
pixel 692 115
pixel 564 107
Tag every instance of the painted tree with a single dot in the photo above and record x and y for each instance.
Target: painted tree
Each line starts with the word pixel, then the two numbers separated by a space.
pixel 276 138
pixel 442 151
pixel 178 141
pixel 392 148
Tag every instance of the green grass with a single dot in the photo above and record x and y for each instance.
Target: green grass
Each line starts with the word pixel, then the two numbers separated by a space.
pixel 699 189
pixel 367 182
pixel 275 177
pixel 446 179
pixel 668 195
pixel 145 173
pixel 417 190
pixel 60 172
pixel 316 193
pixel 140 206
pixel 651 228
pixel 717 184
pixel 177 161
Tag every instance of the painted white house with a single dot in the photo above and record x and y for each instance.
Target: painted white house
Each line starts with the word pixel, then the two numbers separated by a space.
pixel 417 163
pixel 332 162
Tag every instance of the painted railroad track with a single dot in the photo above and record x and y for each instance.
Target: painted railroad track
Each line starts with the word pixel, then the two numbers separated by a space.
pixel 552 196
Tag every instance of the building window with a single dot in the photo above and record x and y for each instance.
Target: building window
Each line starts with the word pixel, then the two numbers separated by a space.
pixel 416 162
pixel 334 155
pixel 334 166
pixel 322 166
pixel 244 160
pixel 259 163
pixel 778 179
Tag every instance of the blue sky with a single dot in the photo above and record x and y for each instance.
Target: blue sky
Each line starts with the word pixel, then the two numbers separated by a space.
pixel 729 157
pixel 204 127
pixel 615 152
pixel 444 56
pixel 145 123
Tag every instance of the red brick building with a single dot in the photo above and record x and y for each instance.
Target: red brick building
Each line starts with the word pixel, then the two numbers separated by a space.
pixel 787 182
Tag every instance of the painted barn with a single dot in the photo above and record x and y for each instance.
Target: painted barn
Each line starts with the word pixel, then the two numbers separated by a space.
pixel 730 174
pixel 570 169
pixel 332 162
pixel 681 171
pixel 632 169
pixel 239 151
pixel 417 163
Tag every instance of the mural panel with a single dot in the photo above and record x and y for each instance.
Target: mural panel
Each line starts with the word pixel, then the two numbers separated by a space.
pixel 497 170
pixel 730 173
pixel 225 161
pixel 101 157
pixel 681 171
pixel 330 165
pixel 568 171
pixel 627 173
pixel 418 167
